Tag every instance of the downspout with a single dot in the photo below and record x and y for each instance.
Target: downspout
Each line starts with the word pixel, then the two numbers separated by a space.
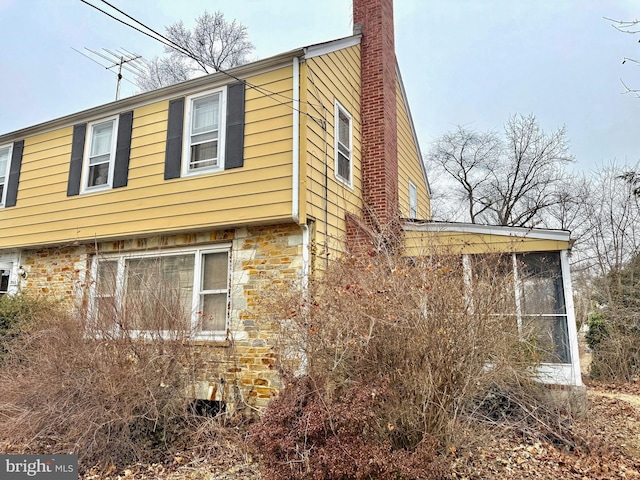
pixel 295 195
pixel 295 191
pixel 305 259
pixel 302 352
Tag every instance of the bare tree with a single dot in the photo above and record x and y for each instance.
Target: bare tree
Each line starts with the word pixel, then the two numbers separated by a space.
pixel 631 27
pixel 611 267
pixel 214 44
pixel 613 220
pixel 509 180
pixel 465 156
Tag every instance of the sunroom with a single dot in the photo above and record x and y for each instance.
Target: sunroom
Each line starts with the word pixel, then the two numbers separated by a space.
pixel 534 264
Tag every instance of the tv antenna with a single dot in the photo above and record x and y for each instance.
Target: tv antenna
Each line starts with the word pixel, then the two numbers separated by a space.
pixel 120 58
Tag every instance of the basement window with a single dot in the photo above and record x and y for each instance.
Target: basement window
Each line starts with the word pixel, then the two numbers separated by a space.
pixel 185 290
pixel 343 144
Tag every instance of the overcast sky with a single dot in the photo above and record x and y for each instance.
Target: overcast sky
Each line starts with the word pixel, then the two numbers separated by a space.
pixel 468 62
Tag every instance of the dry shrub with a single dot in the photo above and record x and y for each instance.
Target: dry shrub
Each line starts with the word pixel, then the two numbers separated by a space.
pixel 520 406
pixel 17 315
pixel 616 355
pixel 304 437
pixel 88 385
pixel 410 329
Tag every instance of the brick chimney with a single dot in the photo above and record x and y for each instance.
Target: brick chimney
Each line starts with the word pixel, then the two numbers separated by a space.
pixel 374 18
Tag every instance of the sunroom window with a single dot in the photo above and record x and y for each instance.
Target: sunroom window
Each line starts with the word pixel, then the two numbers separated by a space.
pixel 541 305
pixel 184 291
pixel 528 289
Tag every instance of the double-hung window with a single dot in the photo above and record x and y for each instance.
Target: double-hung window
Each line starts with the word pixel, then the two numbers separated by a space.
pixel 343 144
pixel 5 161
pixel 413 201
pixel 204 132
pixel 185 290
pixel 100 155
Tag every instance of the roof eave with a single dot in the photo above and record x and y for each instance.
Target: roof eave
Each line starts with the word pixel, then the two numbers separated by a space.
pixel 498 230
pixel 240 72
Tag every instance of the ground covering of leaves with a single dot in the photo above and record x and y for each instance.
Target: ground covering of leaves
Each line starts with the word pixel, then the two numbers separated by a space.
pixel 607 447
pixel 607 444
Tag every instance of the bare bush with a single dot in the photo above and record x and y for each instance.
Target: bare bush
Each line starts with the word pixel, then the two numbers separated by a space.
pixel 423 341
pixel 90 385
pixel 616 353
pixel 17 316
pixel 306 436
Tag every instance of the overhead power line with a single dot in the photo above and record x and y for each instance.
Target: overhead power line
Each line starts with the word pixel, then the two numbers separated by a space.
pixel 167 42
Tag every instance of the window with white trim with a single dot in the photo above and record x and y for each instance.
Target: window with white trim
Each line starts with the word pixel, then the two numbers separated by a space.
pixel 343 144
pixel 5 162
pixel 204 132
pixel 99 155
pixel 163 291
pixel 532 293
pixel 5 275
pixel 413 201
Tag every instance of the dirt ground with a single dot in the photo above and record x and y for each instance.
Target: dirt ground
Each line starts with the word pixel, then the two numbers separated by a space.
pixel 607 447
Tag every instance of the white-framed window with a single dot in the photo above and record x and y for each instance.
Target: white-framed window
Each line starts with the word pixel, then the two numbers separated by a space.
pixel 413 201
pixel 534 296
pixel 5 276
pixel 204 128
pixel 99 155
pixel 153 292
pixel 343 144
pixel 5 162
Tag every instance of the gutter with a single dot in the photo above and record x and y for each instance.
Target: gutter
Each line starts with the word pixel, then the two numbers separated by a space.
pixel 498 230
pixel 211 80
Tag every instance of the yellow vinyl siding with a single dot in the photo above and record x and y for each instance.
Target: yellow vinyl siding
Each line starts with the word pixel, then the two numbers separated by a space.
pixel 259 192
pixel 326 78
pixel 409 168
pixel 424 243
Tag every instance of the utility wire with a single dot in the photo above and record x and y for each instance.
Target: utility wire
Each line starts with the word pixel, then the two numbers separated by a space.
pixel 166 41
pixel 181 49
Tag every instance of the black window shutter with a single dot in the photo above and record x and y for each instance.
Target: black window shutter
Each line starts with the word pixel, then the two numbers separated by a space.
pixel 234 150
pixel 14 174
pixel 173 153
pixel 123 150
pixel 75 166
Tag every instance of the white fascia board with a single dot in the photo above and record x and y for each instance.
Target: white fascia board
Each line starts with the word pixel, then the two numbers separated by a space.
pixel 204 82
pixel 498 230
pixel 413 130
pixel 332 46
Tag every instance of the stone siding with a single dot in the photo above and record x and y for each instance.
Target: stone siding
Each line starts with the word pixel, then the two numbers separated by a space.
pixel 57 273
pixel 238 370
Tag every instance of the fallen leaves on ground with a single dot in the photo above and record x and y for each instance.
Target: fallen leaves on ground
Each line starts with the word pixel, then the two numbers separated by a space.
pixel 607 447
